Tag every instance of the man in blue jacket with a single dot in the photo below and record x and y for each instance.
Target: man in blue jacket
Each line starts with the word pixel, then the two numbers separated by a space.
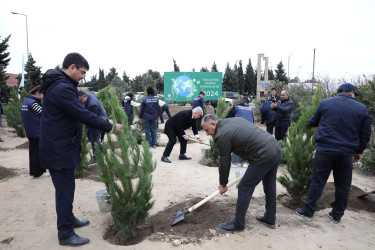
pixel 199 102
pixel 343 133
pixel 268 115
pixel 93 104
pixel 149 114
pixel 60 139
pixel 283 108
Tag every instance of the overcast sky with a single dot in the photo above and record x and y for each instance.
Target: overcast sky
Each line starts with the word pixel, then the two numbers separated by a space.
pixel 134 36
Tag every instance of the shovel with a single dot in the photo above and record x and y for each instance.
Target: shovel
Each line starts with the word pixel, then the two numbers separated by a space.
pixel 363 195
pixel 194 140
pixel 181 215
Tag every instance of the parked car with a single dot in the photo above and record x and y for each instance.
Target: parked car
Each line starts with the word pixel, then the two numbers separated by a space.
pixel 230 97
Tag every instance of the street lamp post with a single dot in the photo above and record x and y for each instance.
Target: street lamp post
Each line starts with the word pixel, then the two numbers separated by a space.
pixel 27 33
pixel 288 63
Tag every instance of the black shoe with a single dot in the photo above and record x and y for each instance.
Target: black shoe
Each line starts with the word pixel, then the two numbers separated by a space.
pixel 92 161
pixel 165 159
pixel 300 212
pixel 231 227
pixel 184 157
pixel 80 223
pixel 261 220
pixel 334 219
pixel 74 240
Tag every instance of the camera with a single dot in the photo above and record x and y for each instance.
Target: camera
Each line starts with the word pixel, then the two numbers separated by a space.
pixel 274 101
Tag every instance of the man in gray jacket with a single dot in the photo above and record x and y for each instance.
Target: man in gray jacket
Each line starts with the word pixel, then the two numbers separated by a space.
pixel 262 152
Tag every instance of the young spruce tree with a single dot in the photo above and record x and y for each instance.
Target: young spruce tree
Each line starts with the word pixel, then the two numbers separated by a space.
pixel 131 199
pixel 299 151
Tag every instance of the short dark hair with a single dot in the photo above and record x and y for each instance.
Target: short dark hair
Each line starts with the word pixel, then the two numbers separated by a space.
pixel 77 59
pixel 81 93
pixel 262 101
pixel 273 89
pixel 35 89
pixel 130 94
pixel 150 90
pixel 208 102
pixel 202 93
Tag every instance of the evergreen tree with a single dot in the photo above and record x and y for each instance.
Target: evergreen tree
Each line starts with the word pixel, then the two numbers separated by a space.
pixel 137 84
pixel 175 67
pixel 271 75
pixel 118 85
pixel 250 80
pixel 131 201
pixel 235 80
pixel 102 82
pixel 94 82
pixel 280 74
pixel 227 78
pixel 241 80
pixel 13 114
pixel 34 74
pixel 4 61
pixel 81 169
pixel 204 69
pixel 125 78
pixel 214 68
pixel 298 150
pixel 111 75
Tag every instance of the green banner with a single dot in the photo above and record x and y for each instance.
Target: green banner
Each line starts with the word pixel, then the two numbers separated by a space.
pixel 184 86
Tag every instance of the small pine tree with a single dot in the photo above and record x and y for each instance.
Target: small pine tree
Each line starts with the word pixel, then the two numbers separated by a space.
pixel 81 169
pixel 13 114
pixel 299 150
pixel 131 201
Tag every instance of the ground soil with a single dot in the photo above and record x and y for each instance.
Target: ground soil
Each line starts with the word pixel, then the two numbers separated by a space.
pixel 28 218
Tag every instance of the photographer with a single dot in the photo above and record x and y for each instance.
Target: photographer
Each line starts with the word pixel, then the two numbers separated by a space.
pixel 283 108
pixel 273 96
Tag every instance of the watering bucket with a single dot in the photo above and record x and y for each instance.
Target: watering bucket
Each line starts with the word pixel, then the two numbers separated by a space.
pixel 204 152
pixel 104 201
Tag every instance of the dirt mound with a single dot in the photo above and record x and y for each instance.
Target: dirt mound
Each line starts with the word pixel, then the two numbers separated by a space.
pixel 23 145
pixel 328 197
pixel 201 223
pixel 6 173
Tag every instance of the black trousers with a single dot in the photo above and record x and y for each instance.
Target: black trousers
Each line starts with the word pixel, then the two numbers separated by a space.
pixel 171 133
pixel 35 168
pixel 64 182
pixel 270 127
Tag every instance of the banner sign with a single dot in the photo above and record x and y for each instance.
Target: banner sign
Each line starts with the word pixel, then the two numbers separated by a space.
pixel 184 86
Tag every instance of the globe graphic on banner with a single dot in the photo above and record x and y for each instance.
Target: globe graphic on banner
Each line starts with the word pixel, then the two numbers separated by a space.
pixel 183 86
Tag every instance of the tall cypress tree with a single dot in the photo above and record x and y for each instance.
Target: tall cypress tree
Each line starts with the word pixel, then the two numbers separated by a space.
pixel 33 75
pixel 4 61
pixel 175 67
pixel 280 74
pixel 241 80
pixel 250 79
pixel 214 68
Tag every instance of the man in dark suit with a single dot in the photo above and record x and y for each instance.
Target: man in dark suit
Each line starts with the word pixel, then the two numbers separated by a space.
pixel 175 127
pixel 60 139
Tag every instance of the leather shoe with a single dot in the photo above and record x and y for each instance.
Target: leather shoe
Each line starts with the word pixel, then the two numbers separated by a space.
pixel 184 157
pixel 231 227
pixel 74 240
pixel 261 220
pixel 80 223
pixel 165 159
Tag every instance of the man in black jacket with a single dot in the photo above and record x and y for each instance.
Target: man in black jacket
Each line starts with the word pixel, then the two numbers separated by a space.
pixel 343 133
pixel 283 108
pixel 60 139
pixel 176 127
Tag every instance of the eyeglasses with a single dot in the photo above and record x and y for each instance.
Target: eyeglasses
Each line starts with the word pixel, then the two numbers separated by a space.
pixel 82 72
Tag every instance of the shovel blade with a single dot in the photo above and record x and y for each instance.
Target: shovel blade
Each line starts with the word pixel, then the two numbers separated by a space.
pixel 180 216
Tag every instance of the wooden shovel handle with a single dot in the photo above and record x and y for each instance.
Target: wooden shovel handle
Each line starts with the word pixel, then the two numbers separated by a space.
pixel 231 183
pixel 198 141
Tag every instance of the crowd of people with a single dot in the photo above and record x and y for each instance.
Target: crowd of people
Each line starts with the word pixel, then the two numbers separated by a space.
pixel 54 130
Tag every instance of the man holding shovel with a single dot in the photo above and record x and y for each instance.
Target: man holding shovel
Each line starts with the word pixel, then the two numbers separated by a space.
pixel 262 152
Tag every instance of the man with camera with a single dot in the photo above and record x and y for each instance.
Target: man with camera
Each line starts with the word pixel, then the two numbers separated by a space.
pixel 283 108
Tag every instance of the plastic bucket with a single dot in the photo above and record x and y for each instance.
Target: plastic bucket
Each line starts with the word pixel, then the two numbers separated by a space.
pixel 204 152
pixel 104 201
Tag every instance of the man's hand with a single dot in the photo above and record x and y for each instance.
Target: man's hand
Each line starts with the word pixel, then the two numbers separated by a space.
pixel 200 140
pixel 186 137
pixel 222 189
pixel 273 105
pixel 119 126
pixel 357 157
pixel 141 120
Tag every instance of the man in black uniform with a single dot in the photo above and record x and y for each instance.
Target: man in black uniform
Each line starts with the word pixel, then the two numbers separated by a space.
pixel 176 126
